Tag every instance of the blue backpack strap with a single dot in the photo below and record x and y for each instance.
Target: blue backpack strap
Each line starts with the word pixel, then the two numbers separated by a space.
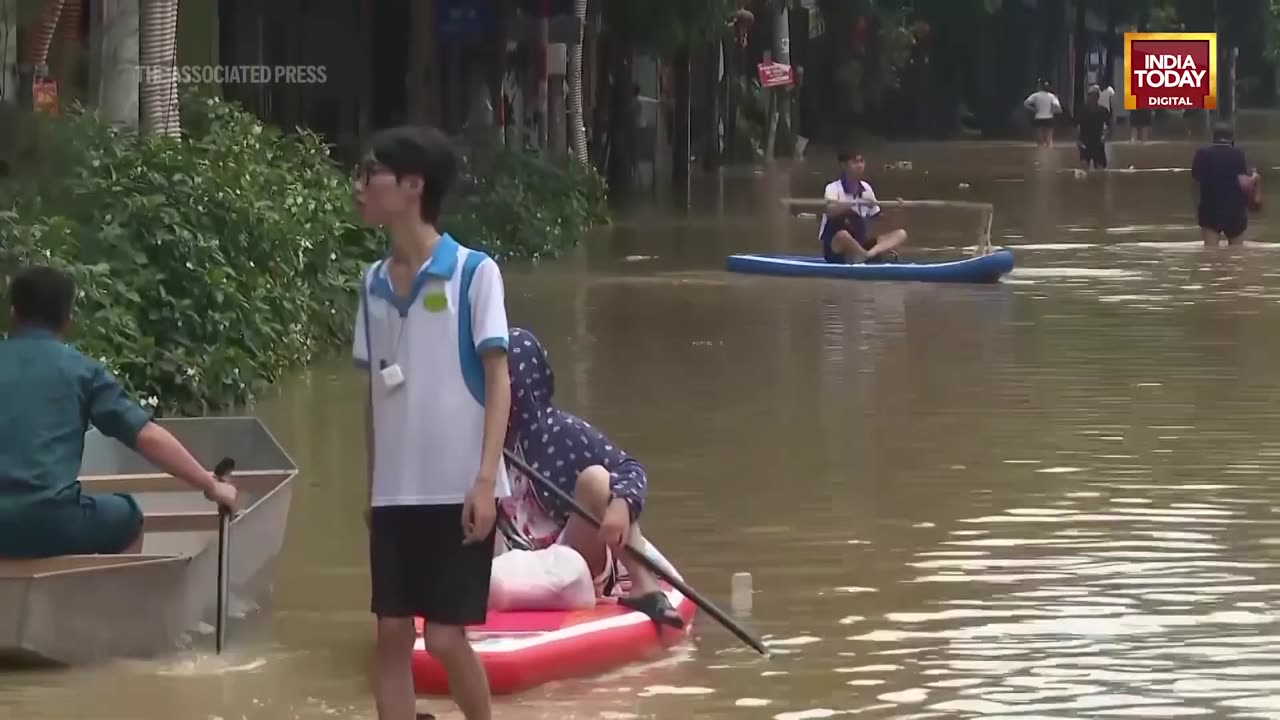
pixel 364 304
pixel 472 369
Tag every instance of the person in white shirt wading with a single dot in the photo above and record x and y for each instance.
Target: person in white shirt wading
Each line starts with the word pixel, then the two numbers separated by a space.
pixel 1046 107
pixel 431 330
pixel 845 231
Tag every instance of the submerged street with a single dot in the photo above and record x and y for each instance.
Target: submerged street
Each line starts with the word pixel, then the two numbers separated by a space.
pixel 1050 498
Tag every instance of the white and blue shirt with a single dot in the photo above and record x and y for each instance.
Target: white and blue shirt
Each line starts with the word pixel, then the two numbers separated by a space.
pixel 836 191
pixel 428 433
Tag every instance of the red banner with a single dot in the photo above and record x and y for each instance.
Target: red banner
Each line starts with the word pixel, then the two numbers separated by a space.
pixel 44 97
pixel 776 75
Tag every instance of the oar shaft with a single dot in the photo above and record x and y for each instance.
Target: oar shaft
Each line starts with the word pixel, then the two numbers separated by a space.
pixel 644 559
pixel 224 468
pixel 821 203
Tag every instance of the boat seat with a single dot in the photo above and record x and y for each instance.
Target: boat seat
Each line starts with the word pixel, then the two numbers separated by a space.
pixel 26 567
pixel 180 521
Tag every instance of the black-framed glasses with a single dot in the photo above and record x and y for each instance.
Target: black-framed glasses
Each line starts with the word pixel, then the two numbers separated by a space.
pixel 366 170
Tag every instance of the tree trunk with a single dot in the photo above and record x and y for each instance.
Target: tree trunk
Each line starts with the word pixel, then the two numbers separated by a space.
pixel 1051 22
pixel 732 70
pixel 1111 45
pixel 541 87
pixel 113 66
pixel 680 120
pixel 602 130
pixel 422 81
pixel 577 130
pixel 1081 57
pixel 37 49
pixel 70 52
pixel 158 51
pixel 622 116
pixel 711 130
pixel 364 116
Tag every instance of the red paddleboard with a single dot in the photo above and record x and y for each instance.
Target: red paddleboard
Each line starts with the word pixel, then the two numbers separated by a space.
pixel 524 649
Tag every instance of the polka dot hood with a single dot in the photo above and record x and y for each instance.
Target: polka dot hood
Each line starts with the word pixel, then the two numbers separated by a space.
pixel 556 443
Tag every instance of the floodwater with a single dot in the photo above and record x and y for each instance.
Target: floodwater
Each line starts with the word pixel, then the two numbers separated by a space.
pixel 1051 498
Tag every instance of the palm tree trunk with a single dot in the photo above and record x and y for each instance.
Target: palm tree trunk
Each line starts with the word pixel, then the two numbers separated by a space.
pixel 577 130
pixel 158 55
pixel 37 53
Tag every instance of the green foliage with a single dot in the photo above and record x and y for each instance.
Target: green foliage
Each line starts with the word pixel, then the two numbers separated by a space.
pixel 525 205
pixel 861 81
pixel 209 265
pixel 1271 32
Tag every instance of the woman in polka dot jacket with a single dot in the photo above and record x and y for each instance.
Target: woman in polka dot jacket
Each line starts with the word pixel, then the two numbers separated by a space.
pixel 582 462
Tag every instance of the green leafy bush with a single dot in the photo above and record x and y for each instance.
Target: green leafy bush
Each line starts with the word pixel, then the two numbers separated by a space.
pixel 524 205
pixel 211 264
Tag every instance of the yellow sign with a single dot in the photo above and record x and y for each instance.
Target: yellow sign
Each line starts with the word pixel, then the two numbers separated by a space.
pixel 1170 71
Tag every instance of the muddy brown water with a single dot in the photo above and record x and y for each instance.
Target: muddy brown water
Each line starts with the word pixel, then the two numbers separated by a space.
pixel 1050 498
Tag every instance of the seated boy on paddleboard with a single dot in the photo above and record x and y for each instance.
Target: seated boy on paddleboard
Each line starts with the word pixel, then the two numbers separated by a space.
pixel 583 463
pixel 845 231
pixel 51 394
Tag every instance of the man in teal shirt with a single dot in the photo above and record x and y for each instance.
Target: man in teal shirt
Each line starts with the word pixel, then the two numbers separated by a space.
pixel 49 394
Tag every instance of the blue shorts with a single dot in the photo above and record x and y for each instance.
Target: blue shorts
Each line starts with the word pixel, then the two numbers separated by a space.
pixel 87 525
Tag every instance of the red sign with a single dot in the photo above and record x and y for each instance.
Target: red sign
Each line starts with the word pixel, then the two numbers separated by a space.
pixel 1170 71
pixel 776 75
pixel 44 96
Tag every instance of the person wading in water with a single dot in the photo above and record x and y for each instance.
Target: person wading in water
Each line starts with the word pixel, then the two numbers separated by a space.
pixel 1227 189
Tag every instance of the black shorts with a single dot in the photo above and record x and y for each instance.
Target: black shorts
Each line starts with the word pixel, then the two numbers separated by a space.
pixel 1095 153
pixel 855 226
pixel 1231 224
pixel 419 567
pixel 1043 122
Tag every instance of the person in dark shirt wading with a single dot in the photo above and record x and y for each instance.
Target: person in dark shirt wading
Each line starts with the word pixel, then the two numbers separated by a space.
pixel 1227 189
pixel 1093 121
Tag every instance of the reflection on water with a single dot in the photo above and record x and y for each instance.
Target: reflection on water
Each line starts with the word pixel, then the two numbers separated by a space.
pixel 1052 498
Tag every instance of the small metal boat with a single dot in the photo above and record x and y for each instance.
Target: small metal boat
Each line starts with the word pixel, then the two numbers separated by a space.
pixel 84 608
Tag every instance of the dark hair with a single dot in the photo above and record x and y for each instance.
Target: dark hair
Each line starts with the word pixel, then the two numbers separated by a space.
pixel 1223 132
pixel 421 151
pixel 42 296
pixel 848 153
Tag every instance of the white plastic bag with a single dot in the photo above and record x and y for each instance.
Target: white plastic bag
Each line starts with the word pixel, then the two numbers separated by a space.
pixel 556 578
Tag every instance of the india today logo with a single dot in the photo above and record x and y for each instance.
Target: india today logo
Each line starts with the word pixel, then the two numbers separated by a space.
pixel 1165 71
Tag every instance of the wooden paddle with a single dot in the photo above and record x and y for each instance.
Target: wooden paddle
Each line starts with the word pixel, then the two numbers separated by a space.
pixel 821 203
pixel 984 241
pixel 221 471
pixel 645 560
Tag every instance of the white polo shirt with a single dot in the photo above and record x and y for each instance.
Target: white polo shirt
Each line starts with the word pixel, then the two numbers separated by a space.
pixel 834 192
pixel 1045 104
pixel 428 433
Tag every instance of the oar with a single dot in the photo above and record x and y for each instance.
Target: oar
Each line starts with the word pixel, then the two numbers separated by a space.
pixel 645 560
pixel 221 471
